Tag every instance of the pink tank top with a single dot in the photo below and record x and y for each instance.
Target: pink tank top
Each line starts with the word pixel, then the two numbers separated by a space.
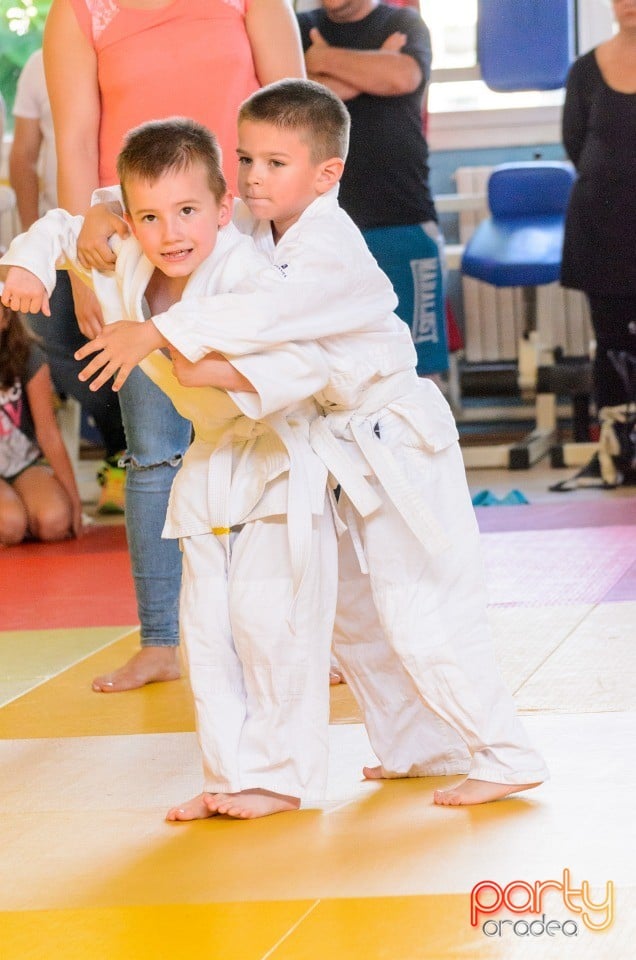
pixel 190 58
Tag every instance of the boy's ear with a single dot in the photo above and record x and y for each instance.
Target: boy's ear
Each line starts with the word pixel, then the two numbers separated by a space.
pixel 129 221
pixel 329 173
pixel 226 205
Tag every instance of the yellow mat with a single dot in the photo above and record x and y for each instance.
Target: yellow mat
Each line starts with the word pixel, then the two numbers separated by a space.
pixel 89 812
pixel 593 670
pixel 89 867
pixel 67 707
pixel 29 657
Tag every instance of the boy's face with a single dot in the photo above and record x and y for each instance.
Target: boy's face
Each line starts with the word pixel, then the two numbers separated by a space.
pixel 176 218
pixel 277 177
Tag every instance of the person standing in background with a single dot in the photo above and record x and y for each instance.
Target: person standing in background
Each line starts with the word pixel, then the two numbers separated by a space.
pixel 377 58
pixel 32 173
pixel 599 123
pixel 110 67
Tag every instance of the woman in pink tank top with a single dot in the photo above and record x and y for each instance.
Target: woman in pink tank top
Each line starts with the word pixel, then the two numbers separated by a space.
pixel 111 65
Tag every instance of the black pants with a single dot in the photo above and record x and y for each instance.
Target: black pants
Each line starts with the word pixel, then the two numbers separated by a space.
pixel 611 319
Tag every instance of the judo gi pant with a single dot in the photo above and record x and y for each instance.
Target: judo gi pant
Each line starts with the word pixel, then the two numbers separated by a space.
pixel 413 639
pixel 260 680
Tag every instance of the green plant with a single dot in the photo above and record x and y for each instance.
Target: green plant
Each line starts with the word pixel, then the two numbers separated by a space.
pixel 21 26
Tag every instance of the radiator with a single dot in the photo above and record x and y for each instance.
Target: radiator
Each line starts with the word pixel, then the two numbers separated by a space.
pixel 493 317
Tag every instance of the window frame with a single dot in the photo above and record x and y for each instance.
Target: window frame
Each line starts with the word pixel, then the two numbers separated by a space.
pixel 484 127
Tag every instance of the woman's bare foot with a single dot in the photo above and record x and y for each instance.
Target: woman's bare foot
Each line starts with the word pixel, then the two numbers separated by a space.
pixel 335 677
pixel 249 804
pixel 195 809
pixel 470 792
pixel 148 665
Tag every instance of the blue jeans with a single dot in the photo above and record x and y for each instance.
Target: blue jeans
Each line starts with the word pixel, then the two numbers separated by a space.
pixel 62 337
pixel 157 438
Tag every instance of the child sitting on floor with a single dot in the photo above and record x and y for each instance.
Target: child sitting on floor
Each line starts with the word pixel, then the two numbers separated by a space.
pixel 37 499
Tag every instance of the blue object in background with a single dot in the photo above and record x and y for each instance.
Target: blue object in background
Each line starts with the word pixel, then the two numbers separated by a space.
pixel 525 44
pixel 411 260
pixel 485 498
pixel 520 244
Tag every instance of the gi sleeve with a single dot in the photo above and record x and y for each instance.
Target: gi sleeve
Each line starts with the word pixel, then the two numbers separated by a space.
pixel 281 377
pixel 315 289
pixel 49 244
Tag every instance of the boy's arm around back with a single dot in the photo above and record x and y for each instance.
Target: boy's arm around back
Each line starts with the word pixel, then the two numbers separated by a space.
pixel 282 377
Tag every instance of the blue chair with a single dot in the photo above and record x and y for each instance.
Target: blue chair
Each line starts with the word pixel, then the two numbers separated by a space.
pixel 525 44
pixel 520 245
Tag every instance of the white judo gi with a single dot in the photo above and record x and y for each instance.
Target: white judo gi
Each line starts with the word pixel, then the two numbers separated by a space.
pixel 411 632
pixel 248 506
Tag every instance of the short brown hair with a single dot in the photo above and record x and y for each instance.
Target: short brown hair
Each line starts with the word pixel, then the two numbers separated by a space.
pixel 160 146
pixel 304 106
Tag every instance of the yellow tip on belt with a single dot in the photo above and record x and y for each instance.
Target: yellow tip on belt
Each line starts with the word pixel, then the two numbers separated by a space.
pixel 219 531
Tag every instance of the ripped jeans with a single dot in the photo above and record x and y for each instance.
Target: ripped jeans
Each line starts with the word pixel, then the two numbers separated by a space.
pixel 157 438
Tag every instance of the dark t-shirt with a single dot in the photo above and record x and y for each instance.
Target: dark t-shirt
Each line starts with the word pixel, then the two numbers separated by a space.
pixel 385 182
pixel 18 447
pixel 599 133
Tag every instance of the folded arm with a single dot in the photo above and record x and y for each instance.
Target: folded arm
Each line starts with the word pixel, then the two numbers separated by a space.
pixel 386 72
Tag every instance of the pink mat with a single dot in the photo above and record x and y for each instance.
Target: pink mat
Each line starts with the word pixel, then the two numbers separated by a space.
pixel 542 567
pixel 559 515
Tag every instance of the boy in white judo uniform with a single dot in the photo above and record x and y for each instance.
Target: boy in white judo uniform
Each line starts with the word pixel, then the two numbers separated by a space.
pixel 411 634
pixel 259 574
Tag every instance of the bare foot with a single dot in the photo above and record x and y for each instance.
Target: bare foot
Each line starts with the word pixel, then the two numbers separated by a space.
pixel 148 665
pixel 195 809
pixel 335 677
pixel 374 773
pixel 249 804
pixel 470 792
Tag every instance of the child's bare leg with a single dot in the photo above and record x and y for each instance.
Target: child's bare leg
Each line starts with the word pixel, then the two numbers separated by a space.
pixel 14 522
pixel 471 792
pixel 250 804
pixel 195 809
pixel 151 664
pixel 47 504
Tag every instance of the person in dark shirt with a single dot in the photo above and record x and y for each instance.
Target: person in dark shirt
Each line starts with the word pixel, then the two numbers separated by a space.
pixel 599 127
pixel 378 58
pixel 599 121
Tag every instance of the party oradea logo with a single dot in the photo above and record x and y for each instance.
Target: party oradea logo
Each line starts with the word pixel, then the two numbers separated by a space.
pixel 491 904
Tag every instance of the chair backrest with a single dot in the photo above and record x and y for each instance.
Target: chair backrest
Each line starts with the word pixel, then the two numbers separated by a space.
pixel 525 44
pixel 535 188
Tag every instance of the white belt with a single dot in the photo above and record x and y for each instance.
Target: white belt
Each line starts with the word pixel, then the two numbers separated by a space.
pixel 359 425
pixel 299 509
